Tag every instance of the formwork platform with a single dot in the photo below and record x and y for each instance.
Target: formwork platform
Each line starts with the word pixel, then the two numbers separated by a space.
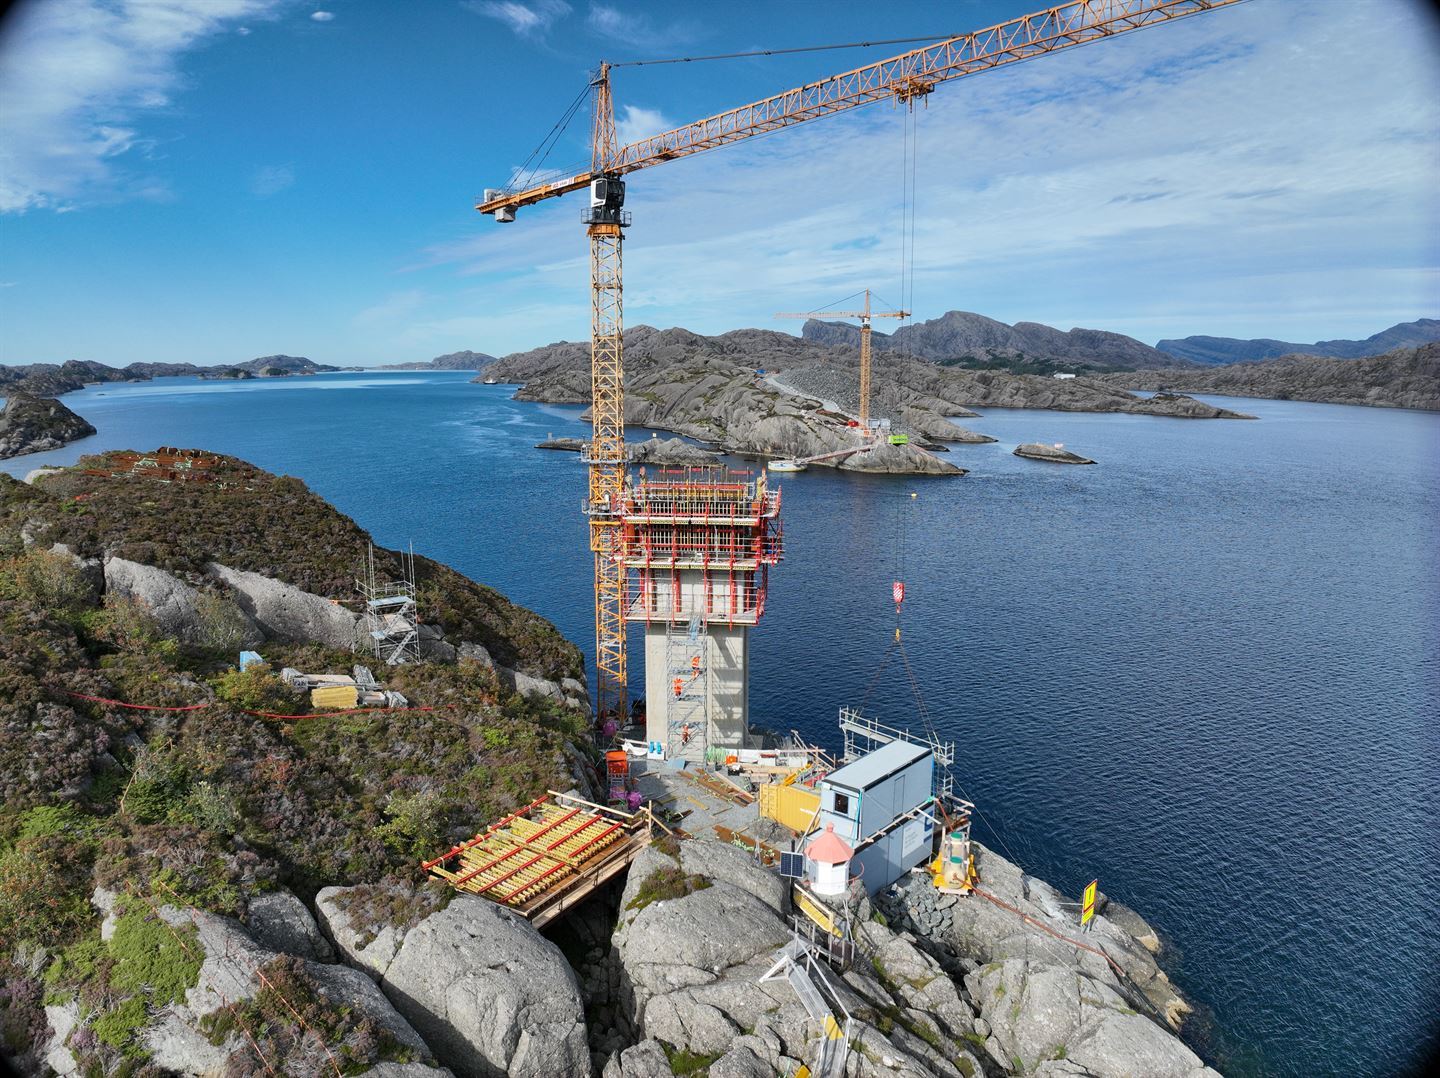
pixel 547 857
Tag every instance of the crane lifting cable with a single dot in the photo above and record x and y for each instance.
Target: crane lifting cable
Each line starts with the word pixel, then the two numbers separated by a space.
pixel 903 77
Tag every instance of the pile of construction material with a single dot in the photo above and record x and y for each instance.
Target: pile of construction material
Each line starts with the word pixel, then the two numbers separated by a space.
pixel 356 689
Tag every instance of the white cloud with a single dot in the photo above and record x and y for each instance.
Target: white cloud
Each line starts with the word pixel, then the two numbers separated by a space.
pixel 322 16
pixel 1261 170
pixel 635 28
pixel 530 18
pixel 76 77
pixel 635 123
pixel 395 309
pixel 271 180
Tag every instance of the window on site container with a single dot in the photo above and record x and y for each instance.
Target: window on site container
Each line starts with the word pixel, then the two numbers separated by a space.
pixel 842 804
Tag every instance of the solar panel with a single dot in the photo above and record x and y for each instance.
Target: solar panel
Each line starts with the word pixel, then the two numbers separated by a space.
pixel 792 865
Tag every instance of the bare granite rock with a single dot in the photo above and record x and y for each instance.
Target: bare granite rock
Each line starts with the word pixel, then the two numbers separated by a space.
pixel 174 604
pixel 489 994
pixel 31 424
pixel 1053 453
pixel 285 612
pixel 280 921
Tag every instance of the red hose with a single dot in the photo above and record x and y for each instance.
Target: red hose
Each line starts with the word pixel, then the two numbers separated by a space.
pixel 246 711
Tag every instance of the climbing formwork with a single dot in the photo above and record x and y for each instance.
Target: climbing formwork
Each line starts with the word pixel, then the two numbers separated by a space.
pixel 546 857
pixel 697 545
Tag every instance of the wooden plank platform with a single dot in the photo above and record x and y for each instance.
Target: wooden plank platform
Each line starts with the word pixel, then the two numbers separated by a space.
pixel 546 857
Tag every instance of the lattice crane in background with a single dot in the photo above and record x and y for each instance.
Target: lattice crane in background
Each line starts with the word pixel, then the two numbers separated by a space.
pixel 865 316
pixel 906 78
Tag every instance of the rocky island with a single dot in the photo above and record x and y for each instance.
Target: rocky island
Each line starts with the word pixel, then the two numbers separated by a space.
pixel 1055 454
pixel 769 394
pixel 200 874
pixel 654 450
pixel 1403 378
pixel 34 424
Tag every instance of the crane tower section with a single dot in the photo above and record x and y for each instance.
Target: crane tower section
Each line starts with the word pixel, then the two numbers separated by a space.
pixel 697 546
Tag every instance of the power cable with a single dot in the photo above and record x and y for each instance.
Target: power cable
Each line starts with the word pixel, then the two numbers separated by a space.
pixel 785 52
pixel 548 143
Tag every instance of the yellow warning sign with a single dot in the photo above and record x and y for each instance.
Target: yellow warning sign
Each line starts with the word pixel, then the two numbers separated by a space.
pixel 1087 903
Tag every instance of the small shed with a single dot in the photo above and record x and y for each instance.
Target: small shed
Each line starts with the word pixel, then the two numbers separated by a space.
pixel 876 804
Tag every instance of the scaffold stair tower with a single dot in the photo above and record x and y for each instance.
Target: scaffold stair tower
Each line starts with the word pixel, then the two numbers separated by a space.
pixel 686 658
pixel 392 613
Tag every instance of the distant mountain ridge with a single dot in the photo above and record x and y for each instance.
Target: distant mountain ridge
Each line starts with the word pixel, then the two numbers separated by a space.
pixel 963 338
pixel 452 361
pixel 1217 351
pixel 53 379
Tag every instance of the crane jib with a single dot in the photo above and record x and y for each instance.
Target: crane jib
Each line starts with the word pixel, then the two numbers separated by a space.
pixel 905 77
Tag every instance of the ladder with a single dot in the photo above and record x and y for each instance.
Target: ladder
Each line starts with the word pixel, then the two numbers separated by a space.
pixel 796 964
pixel 687 682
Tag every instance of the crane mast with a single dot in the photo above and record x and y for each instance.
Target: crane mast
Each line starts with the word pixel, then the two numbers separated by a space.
pixel 908 77
pixel 605 224
pixel 865 316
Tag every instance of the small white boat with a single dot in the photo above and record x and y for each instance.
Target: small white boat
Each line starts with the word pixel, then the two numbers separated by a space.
pixel 786 466
pixel 491 382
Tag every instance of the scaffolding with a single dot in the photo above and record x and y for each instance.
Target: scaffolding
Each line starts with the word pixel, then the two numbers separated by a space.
pixel 688 668
pixel 864 734
pixel 797 964
pixel 392 612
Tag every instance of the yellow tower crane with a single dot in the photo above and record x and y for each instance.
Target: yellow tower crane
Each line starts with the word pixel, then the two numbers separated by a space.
pixel 906 78
pixel 865 316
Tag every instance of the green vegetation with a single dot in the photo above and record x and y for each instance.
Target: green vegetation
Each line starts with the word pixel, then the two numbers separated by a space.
pixel 688 1064
pixel 292 1015
pixel 1017 363
pixel 183 527
pixel 370 906
pixel 666 883
pixel 207 808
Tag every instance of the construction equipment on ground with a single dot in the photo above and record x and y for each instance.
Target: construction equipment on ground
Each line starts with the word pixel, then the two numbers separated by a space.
pixel 903 79
pixel 167 464
pixel 355 689
pixel 865 314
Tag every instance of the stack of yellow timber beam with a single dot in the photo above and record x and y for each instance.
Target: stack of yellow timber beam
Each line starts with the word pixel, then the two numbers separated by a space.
pixel 341 696
pixel 534 852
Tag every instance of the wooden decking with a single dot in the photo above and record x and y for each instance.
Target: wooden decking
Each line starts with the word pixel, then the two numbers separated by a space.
pixel 546 857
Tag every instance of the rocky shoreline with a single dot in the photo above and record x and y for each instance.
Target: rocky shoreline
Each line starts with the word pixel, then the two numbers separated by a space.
pixel 1403 378
pixel 655 450
pixel 34 425
pixel 632 985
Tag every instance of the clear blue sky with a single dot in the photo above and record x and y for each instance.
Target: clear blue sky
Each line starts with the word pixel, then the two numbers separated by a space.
pixel 212 180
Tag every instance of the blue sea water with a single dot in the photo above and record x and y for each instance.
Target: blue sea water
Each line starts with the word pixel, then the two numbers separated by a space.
pixel 1204 671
